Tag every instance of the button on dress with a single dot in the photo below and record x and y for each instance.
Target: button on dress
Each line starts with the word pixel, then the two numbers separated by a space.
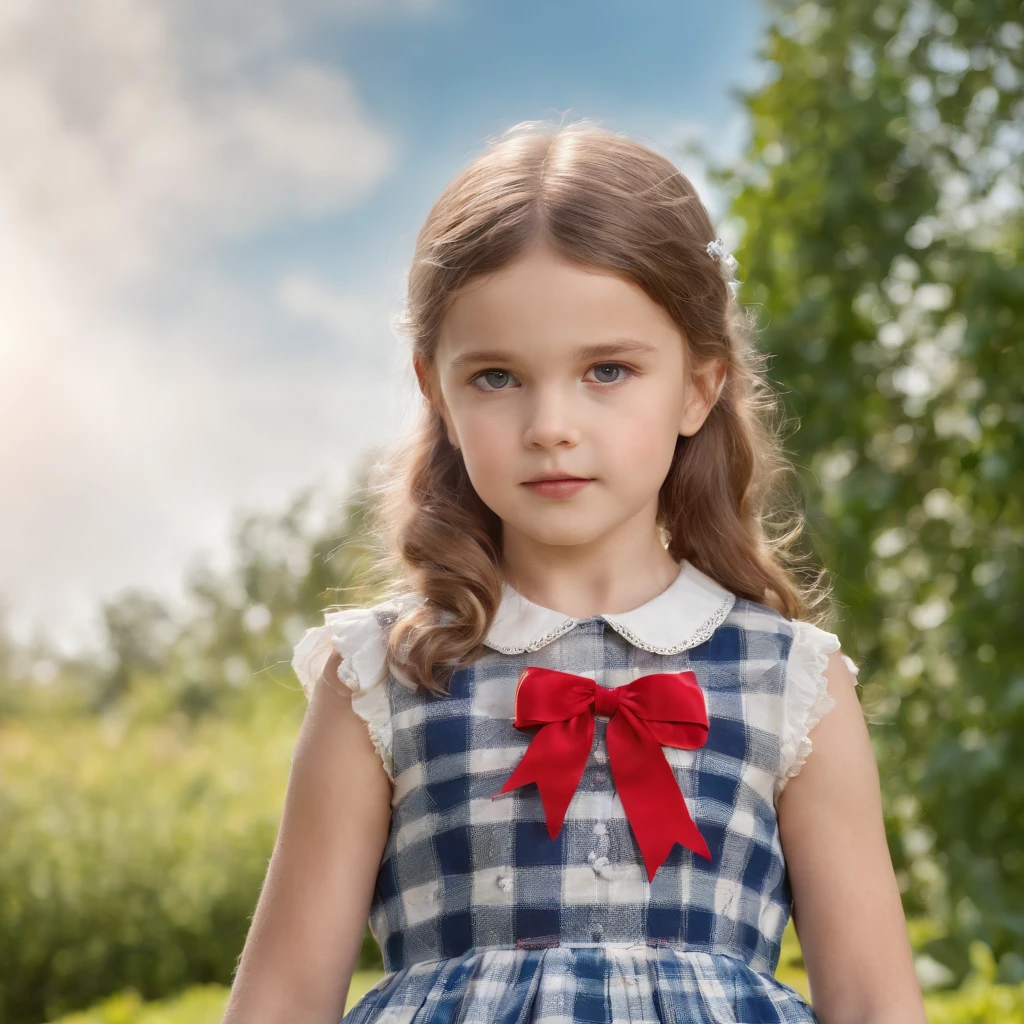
pixel 483 918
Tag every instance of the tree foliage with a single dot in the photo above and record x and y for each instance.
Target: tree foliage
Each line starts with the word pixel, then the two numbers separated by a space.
pixel 880 209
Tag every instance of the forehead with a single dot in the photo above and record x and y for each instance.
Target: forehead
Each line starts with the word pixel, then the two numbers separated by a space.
pixel 542 304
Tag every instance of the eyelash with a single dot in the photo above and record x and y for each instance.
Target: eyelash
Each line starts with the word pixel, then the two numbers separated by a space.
pixel 630 373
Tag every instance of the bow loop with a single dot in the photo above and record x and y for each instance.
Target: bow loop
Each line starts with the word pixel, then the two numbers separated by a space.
pixel 660 708
pixel 550 696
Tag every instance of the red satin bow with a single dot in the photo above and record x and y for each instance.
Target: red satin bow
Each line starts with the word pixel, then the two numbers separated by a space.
pixel 665 708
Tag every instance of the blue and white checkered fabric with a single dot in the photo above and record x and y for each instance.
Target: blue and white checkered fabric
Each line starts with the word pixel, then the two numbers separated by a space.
pixel 481 917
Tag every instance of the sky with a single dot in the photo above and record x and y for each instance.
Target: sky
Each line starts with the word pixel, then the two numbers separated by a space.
pixel 206 216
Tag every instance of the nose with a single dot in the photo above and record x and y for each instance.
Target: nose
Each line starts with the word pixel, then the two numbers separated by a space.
pixel 551 420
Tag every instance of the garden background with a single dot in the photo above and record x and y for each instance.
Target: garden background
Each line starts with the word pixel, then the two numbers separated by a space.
pixel 877 211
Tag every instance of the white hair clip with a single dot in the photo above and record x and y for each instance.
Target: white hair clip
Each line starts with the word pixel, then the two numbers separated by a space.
pixel 717 251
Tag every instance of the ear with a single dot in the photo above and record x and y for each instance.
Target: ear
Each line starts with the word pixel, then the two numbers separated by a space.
pixel 431 391
pixel 422 377
pixel 702 392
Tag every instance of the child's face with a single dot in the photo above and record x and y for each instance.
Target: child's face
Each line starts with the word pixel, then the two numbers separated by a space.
pixel 527 402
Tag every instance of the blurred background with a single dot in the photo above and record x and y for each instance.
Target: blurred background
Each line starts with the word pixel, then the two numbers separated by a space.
pixel 206 214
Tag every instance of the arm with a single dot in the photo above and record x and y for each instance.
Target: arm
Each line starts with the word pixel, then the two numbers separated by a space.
pixel 851 925
pixel 312 912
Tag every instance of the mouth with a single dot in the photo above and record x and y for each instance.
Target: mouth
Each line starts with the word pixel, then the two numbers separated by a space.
pixel 557 487
pixel 557 479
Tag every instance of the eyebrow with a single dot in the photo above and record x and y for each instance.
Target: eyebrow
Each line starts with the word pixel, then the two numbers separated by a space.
pixel 602 350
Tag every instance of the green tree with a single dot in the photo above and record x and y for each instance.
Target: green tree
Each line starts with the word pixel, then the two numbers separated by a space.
pixel 232 642
pixel 880 207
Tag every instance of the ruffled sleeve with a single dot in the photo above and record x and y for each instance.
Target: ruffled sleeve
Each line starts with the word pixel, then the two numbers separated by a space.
pixel 357 636
pixel 807 699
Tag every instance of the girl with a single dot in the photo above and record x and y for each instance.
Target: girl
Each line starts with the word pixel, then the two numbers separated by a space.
pixel 563 766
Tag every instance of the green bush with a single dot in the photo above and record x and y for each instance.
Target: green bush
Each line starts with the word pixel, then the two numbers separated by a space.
pixel 912 494
pixel 203 1004
pixel 979 1000
pixel 132 856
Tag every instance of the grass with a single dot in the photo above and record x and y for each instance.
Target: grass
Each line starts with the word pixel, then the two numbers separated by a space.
pixel 201 1004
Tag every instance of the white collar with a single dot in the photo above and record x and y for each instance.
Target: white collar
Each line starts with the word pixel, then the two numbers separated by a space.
pixel 678 618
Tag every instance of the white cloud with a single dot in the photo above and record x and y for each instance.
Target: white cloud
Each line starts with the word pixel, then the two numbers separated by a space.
pixel 114 161
pixel 315 302
pixel 135 138
pixel 119 463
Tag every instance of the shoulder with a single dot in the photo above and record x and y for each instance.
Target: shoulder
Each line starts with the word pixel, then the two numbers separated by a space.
pixel 754 617
pixel 817 672
pixel 359 635
pixel 811 671
pixel 798 641
pixel 757 635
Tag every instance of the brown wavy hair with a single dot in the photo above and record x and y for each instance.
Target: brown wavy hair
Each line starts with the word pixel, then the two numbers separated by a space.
pixel 601 200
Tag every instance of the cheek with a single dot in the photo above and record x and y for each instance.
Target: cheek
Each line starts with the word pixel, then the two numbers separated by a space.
pixel 484 440
pixel 644 438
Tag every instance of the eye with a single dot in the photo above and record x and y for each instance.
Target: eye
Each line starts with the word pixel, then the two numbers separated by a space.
pixel 498 380
pixel 613 366
pixel 502 376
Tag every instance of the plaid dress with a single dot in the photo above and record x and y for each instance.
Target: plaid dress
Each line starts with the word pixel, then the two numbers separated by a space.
pixel 482 917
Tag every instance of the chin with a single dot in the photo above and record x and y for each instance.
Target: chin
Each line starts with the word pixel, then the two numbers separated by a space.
pixel 559 535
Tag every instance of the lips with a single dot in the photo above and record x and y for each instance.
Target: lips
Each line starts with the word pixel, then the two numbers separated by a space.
pixel 565 487
pixel 552 479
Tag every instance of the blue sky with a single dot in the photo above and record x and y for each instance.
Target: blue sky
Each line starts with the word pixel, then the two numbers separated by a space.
pixel 444 78
pixel 213 212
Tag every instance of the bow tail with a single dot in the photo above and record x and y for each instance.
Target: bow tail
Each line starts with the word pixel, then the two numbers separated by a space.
pixel 555 760
pixel 650 794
